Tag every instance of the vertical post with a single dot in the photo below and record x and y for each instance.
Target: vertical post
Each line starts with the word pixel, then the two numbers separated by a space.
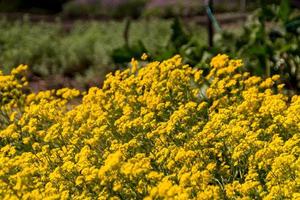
pixel 210 30
pixel 126 31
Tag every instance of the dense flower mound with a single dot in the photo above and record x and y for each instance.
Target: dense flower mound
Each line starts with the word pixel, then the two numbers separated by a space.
pixel 159 131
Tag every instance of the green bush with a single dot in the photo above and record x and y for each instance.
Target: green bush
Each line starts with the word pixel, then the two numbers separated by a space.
pixel 129 8
pixel 75 9
pixel 84 52
pixel 20 42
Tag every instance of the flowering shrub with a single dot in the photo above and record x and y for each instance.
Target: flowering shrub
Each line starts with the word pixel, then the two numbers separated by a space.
pixel 162 130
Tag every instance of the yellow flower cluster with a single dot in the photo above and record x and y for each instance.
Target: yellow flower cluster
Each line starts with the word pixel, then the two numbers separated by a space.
pixel 159 131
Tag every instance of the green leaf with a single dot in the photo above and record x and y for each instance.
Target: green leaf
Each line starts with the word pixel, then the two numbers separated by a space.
pixel 293 25
pixel 284 10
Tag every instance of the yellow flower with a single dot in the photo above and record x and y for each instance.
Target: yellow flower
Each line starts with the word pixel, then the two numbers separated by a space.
pixel 144 56
pixel 219 61
pixel 134 65
pixel 151 132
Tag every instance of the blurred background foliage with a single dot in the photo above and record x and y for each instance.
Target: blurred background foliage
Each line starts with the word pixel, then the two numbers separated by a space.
pixel 85 52
pixel 121 8
pixel 90 38
pixel 269 43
